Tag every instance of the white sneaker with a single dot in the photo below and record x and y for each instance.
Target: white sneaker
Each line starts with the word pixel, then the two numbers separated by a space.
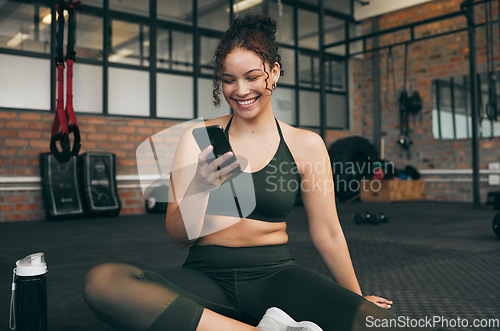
pixel 276 319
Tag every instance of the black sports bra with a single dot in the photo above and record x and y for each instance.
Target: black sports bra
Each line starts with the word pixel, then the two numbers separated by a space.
pixel 275 190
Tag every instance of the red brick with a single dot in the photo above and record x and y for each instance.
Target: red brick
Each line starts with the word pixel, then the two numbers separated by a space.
pixel 17 199
pixel 30 116
pixel 17 124
pixel 6 208
pixel 117 137
pixel 8 115
pixel 40 126
pixel 29 134
pixel 26 207
pixel 16 142
pixel 97 136
pixel 8 133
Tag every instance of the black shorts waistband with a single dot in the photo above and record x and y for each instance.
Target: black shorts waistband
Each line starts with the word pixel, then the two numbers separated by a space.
pixel 222 257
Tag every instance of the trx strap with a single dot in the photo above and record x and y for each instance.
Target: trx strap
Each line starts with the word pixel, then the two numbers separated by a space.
pixel 491 108
pixel 65 115
pixel 404 125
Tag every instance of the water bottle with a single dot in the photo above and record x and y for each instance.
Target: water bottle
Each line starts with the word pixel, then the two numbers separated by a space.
pixel 28 306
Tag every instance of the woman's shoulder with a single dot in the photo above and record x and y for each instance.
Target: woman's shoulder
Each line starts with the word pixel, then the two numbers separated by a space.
pixel 300 138
pixel 304 145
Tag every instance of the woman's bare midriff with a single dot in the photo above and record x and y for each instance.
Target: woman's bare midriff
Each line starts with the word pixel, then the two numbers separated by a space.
pixel 245 233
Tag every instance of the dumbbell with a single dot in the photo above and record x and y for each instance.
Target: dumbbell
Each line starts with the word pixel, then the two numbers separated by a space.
pixel 382 217
pixel 361 218
pixel 496 225
pixel 368 217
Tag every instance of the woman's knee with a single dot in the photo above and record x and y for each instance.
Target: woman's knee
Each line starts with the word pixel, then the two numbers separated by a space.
pixel 104 282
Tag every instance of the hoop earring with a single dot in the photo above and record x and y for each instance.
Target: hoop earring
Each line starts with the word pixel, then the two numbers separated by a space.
pixel 275 85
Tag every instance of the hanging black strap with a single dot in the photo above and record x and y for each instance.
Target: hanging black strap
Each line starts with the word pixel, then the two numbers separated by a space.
pixel 491 108
pixel 64 115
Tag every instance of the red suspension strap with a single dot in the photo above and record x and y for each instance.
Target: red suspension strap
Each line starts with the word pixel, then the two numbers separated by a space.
pixel 66 115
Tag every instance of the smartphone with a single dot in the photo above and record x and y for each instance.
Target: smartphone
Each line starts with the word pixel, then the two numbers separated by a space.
pixel 214 135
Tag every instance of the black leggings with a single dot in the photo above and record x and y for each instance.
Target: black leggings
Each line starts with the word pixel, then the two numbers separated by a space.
pixel 241 283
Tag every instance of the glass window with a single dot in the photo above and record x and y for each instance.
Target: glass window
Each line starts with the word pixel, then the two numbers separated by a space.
pixel 311 2
pixel 206 108
pixel 284 17
pixel 175 10
pixel 309 108
pixel 334 29
pixel 355 30
pixel 335 75
pixel 25 27
pixel 95 3
pixel 129 43
pixel 33 77
pixel 308 29
pixel 288 64
pixel 128 92
pixel 175 50
pixel 130 6
pixel 283 102
pixel 243 7
pixel 87 88
pixel 207 50
pixel 88 36
pixel 336 110
pixel 213 14
pixel 168 90
pixel 339 6
pixel 309 70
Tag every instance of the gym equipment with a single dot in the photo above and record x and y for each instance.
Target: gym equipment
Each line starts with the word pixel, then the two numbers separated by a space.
pixel 382 217
pixel 496 225
pixel 156 201
pixel 493 200
pixel 63 116
pixel 362 218
pixel 351 159
pixel 368 217
pixel 491 109
pixel 100 193
pixel 60 187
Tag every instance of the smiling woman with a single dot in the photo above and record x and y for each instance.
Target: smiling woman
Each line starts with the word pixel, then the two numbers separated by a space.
pixel 239 273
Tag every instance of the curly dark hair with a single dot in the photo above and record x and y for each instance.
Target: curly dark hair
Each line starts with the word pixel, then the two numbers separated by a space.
pixel 255 33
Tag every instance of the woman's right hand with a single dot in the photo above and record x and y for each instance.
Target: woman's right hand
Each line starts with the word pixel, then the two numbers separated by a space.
pixel 208 177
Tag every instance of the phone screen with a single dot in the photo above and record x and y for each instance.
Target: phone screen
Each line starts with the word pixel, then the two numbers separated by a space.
pixel 214 135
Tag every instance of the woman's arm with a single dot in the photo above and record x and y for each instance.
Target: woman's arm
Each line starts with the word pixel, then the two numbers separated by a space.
pixel 318 195
pixel 319 201
pixel 191 181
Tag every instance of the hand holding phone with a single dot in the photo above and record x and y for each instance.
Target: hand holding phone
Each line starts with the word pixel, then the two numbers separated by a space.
pixel 214 135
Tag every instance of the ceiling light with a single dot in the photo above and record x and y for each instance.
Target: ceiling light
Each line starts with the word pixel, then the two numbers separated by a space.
pixel 17 39
pixel 244 5
pixel 120 54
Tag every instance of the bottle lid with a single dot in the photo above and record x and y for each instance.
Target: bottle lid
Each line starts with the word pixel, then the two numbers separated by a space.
pixel 31 265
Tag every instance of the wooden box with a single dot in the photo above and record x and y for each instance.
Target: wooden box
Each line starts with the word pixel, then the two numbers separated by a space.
pixel 392 190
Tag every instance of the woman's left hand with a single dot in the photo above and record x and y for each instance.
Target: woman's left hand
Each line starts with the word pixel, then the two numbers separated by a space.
pixel 381 302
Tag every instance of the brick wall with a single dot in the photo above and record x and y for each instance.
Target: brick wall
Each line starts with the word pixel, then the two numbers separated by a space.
pixel 26 134
pixel 428 60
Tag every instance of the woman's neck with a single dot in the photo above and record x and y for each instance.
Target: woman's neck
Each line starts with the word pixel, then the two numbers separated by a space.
pixel 260 124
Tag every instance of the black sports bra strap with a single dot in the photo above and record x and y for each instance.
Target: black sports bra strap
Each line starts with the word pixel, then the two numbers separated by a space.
pixel 279 129
pixel 226 130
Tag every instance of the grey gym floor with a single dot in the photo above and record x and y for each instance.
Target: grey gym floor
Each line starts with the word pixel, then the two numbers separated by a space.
pixel 431 258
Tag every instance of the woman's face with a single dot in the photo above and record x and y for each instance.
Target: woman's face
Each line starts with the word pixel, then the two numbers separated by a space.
pixel 244 82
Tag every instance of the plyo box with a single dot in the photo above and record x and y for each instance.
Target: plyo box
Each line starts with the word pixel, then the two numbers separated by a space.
pixel 392 190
